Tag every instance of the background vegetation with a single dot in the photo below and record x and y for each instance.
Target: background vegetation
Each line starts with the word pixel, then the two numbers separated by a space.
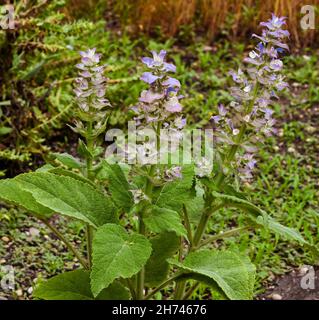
pixel 205 39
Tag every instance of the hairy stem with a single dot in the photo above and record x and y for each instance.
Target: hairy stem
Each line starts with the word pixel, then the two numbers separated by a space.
pixel 163 285
pixel 89 167
pixel 141 274
pixel 67 243
pixel 203 223
pixel 191 290
pixel 223 235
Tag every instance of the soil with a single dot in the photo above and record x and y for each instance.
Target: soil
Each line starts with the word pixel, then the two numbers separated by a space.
pixel 290 286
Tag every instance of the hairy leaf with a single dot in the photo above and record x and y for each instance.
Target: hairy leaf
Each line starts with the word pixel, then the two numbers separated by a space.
pixel 75 285
pixel 231 271
pixel 68 160
pixel 281 230
pixel 116 254
pixel 161 219
pixel 261 217
pixel 174 194
pixel 69 197
pixel 10 191
pixel 164 245
pixel 119 186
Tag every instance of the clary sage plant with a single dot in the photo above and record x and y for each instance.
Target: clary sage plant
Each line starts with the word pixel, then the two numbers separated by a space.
pixel 146 222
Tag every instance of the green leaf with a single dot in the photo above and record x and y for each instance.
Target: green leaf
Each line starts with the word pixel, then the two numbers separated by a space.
pixel 232 272
pixel 75 285
pixel 195 206
pixel 11 192
pixel 68 160
pixel 281 230
pixel 261 217
pixel 5 130
pixel 68 173
pixel 158 220
pixel 116 254
pixel 69 197
pixel 119 186
pixel 164 245
pixel 83 150
pixel 174 194
pixel 238 203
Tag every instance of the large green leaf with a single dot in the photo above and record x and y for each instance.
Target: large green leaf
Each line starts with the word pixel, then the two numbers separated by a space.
pixel 158 220
pixel 281 230
pixel 116 254
pixel 261 217
pixel 68 160
pixel 232 272
pixel 11 192
pixel 119 186
pixel 75 285
pixel 240 203
pixel 64 172
pixel 164 245
pixel 69 197
pixel 175 193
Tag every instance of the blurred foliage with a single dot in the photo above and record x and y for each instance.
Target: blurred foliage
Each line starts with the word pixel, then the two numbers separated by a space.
pixel 231 19
pixel 36 75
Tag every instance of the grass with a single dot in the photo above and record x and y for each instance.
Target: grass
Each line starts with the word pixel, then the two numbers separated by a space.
pixel 287 185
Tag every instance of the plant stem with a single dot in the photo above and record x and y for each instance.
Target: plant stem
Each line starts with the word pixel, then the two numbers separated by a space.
pixel 148 192
pixel 89 166
pixel 191 290
pixel 188 225
pixel 179 290
pixel 203 223
pixel 131 288
pixel 223 235
pixel 141 274
pixel 163 285
pixel 89 239
pixel 67 243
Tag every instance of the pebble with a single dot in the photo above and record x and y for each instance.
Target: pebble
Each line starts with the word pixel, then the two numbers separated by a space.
pixel 30 290
pixel 34 232
pixel 19 293
pixel 276 296
pixel 291 150
pixel 311 129
pixel 3 261
pixel 5 239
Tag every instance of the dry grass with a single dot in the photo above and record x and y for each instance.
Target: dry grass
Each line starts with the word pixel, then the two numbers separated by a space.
pixel 238 17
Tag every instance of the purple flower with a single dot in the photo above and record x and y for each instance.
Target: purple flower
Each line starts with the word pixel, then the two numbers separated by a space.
pixel 222 110
pixel 89 57
pixel 149 96
pixel 254 91
pixel 171 82
pixel 274 23
pixel 156 61
pixel 148 77
pixel 90 91
pixel 169 67
pixel 173 173
pixel 173 105
pixel 180 122
pixel 276 65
